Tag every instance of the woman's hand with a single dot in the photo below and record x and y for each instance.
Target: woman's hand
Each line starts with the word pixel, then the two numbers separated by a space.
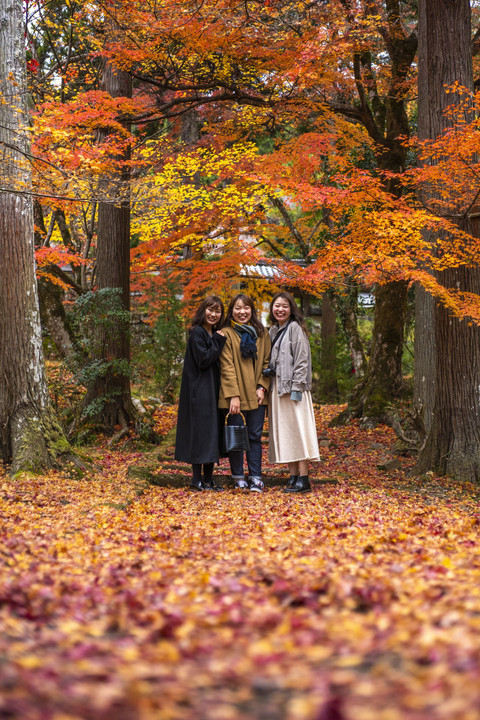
pixel 219 332
pixel 260 395
pixel 234 405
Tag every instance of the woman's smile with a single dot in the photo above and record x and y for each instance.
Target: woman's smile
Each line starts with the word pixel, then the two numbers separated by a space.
pixel 241 312
pixel 281 310
pixel 212 315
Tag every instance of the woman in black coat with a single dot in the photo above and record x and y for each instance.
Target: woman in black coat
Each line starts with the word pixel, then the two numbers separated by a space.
pixel 199 421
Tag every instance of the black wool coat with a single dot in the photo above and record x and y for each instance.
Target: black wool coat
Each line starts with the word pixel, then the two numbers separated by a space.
pixel 199 421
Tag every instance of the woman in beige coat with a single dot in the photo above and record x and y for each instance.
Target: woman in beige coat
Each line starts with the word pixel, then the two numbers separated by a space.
pixel 243 387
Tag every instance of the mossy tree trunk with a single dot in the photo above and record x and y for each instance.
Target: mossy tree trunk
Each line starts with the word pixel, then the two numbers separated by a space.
pixel 383 381
pixel 30 436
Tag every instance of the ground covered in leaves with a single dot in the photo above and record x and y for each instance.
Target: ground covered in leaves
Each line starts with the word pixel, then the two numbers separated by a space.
pixel 127 598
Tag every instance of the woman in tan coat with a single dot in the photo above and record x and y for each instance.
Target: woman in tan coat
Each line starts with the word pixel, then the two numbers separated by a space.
pixel 243 387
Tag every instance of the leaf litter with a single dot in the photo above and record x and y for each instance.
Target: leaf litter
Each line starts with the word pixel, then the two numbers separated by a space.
pixel 127 600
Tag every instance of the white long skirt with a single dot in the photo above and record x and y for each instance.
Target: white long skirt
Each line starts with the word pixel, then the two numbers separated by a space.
pixel 292 430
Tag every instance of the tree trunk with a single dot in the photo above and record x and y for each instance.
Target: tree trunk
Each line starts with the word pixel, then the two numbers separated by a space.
pixel 55 321
pixel 346 309
pixel 424 380
pixel 50 295
pixel 383 381
pixel 112 346
pixel 453 443
pixel 328 382
pixel 30 435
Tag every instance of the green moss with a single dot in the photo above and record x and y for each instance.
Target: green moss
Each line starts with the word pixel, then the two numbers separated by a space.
pixel 376 404
pixel 42 444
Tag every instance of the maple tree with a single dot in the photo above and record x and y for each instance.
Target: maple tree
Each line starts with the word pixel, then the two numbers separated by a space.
pixel 382 91
pixel 98 178
pixel 318 86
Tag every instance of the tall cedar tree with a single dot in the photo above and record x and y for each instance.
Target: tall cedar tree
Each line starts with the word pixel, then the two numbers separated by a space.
pixel 30 436
pixel 453 442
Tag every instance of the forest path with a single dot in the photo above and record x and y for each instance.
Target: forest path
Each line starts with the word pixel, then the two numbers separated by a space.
pixel 126 599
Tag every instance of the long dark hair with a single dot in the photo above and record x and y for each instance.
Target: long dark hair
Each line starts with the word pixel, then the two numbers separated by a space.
pixel 254 320
pixel 199 317
pixel 296 313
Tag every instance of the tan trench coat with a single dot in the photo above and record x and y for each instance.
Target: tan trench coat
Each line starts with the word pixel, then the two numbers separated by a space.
pixel 239 376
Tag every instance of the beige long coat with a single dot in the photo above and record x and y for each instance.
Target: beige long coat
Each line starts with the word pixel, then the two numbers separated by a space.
pixel 241 376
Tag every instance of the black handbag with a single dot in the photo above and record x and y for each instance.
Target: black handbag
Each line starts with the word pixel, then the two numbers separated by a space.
pixel 235 436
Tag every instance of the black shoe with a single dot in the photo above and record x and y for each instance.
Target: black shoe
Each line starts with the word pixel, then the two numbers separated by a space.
pixel 291 483
pixel 211 486
pixel 302 485
pixel 197 485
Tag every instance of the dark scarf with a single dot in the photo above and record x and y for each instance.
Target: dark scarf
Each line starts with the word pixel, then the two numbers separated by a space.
pixel 248 340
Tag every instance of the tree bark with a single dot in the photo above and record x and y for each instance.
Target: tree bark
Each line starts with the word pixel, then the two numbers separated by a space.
pixel 328 384
pixel 30 436
pixel 346 308
pixel 424 379
pixel 112 348
pixel 453 443
pixel 54 320
pixel 371 397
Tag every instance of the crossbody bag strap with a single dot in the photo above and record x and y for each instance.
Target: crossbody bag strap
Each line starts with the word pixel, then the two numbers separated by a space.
pixel 279 336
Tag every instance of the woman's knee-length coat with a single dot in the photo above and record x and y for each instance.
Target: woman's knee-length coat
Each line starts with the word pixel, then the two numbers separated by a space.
pixel 199 422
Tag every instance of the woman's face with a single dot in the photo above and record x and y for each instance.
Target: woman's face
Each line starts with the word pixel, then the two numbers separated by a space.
pixel 212 315
pixel 281 310
pixel 241 312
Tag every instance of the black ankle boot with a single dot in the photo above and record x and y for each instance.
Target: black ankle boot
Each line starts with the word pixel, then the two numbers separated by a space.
pixel 196 485
pixel 291 483
pixel 302 485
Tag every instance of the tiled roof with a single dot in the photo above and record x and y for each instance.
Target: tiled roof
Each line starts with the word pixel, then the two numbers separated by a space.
pixel 260 270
